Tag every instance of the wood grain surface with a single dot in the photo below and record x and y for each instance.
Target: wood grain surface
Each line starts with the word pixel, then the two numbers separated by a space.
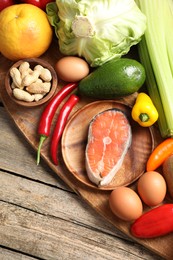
pixel 26 121
pixel 42 218
pixel 74 142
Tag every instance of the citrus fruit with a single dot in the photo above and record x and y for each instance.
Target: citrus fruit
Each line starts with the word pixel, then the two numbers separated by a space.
pixel 25 32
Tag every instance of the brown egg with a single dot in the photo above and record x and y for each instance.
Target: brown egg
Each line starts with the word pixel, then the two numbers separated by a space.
pixel 125 203
pixel 152 188
pixel 72 69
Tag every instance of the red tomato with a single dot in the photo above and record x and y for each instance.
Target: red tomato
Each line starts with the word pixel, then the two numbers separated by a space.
pixel 6 3
pixel 39 3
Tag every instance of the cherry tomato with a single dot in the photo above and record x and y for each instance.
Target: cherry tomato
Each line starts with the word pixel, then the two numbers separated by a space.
pixel 39 3
pixel 6 3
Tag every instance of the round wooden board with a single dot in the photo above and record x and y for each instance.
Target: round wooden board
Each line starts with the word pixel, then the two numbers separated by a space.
pixel 74 142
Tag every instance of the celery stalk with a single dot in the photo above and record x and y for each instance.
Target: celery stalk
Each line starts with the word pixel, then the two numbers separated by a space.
pixel 156 54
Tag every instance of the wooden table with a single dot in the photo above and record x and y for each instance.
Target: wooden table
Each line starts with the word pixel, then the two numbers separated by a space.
pixel 42 218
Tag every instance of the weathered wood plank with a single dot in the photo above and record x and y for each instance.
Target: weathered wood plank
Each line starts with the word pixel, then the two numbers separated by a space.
pixel 47 200
pixel 6 254
pixel 54 238
pixel 13 162
pixel 23 160
pixel 28 189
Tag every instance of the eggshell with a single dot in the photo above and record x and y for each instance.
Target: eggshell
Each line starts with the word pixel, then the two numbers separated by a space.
pixel 72 69
pixel 125 203
pixel 151 188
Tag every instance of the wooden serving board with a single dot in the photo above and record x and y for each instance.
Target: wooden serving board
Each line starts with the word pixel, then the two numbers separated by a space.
pixel 26 119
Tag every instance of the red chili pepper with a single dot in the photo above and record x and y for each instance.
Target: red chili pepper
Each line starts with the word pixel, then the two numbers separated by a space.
pixel 154 223
pixel 49 112
pixel 160 154
pixel 60 125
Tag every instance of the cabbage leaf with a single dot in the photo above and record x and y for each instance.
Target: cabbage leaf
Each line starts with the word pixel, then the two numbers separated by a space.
pixel 97 30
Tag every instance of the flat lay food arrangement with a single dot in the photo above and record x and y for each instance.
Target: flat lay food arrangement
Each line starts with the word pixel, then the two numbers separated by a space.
pixel 89 85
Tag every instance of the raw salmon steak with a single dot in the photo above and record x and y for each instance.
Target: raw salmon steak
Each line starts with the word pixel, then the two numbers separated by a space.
pixel 109 137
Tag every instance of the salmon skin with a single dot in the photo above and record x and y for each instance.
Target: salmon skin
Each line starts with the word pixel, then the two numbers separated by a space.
pixel 109 138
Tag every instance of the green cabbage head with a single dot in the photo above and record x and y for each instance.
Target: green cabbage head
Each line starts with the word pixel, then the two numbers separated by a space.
pixel 97 30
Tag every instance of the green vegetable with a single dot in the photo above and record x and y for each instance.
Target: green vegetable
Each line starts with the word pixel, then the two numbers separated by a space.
pixel 116 78
pixel 156 54
pixel 96 30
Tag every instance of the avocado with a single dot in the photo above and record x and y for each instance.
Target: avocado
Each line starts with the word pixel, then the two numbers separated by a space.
pixel 116 78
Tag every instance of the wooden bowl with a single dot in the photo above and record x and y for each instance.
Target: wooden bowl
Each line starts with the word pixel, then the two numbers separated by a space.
pixel 33 62
pixel 74 142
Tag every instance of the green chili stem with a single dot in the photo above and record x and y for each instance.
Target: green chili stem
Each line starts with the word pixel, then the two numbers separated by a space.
pixel 42 139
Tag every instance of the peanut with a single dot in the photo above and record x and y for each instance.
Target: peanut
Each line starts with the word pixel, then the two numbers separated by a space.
pixel 16 77
pixel 30 78
pixel 38 67
pixel 44 73
pixel 30 85
pixel 39 88
pixel 13 85
pixel 37 97
pixel 24 69
pixel 23 95
pixel 39 80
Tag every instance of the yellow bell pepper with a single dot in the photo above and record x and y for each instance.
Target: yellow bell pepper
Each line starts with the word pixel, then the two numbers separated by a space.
pixel 144 111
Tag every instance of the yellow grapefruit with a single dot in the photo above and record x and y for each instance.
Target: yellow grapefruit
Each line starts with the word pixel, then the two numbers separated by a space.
pixel 25 32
